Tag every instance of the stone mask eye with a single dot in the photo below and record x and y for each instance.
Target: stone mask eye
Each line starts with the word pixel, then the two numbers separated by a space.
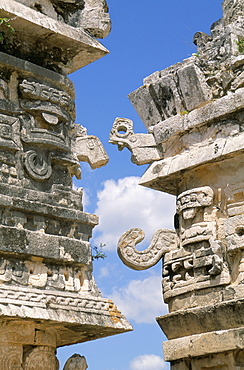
pixel 50 118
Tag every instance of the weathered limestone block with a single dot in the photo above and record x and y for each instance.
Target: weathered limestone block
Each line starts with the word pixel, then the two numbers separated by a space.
pixel 193 86
pixel 171 93
pixel 145 105
pixel 204 344
pixel 76 362
pixel 95 18
pixel 224 361
pixel 232 10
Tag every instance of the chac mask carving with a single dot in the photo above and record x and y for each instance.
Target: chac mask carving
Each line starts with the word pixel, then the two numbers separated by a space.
pixel 194 256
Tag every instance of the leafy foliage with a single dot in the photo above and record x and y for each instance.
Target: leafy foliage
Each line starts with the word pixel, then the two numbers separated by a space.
pixel 97 252
pixel 240 44
pixel 5 27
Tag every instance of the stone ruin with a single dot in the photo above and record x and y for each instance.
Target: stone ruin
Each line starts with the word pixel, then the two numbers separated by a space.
pixel 194 114
pixel 48 297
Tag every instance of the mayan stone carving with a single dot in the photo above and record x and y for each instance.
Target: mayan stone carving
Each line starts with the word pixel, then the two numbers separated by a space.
pixel 48 295
pixel 193 112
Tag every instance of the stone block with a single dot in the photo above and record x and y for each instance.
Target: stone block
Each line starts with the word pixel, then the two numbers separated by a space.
pixel 193 86
pixel 145 106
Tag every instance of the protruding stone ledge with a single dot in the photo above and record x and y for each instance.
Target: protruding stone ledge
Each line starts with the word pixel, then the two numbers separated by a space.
pixel 221 316
pixel 47 209
pixel 73 318
pixel 204 344
pixel 213 110
pixel 164 175
pixel 64 48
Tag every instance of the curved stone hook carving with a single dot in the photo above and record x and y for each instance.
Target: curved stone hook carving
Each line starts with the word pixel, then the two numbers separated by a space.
pixel 163 241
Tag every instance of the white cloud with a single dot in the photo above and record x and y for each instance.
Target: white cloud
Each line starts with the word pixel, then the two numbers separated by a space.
pixel 148 362
pixel 104 272
pixel 124 204
pixel 85 199
pixel 141 300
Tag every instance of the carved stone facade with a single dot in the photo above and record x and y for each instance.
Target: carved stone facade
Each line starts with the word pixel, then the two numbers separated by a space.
pixel 194 115
pixel 48 295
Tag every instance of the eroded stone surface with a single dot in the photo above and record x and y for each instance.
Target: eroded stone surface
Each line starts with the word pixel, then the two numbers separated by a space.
pixel 76 362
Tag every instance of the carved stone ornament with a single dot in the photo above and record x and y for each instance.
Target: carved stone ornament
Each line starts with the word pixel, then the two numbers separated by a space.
pixel 142 146
pixel 11 357
pixel 188 201
pixel 38 165
pixel 162 242
pixel 40 358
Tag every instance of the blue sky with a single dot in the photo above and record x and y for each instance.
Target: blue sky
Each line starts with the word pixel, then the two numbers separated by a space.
pixel 146 36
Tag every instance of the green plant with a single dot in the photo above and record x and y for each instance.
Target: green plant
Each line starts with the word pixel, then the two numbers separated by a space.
pixel 184 112
pixel 240 44
pixel 97 252
pixel 5 27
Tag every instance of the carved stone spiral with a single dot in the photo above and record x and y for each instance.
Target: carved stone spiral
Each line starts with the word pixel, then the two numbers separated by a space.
pixel 37 165
pixel 11 359
pixel 41 358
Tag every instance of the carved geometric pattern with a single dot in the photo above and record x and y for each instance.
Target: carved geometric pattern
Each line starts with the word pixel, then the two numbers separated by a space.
pixel 67 302
pixel 10 357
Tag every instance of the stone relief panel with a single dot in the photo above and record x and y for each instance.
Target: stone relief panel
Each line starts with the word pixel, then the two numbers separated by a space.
pixel 39 137
pixel 200 262
pixel 44 275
